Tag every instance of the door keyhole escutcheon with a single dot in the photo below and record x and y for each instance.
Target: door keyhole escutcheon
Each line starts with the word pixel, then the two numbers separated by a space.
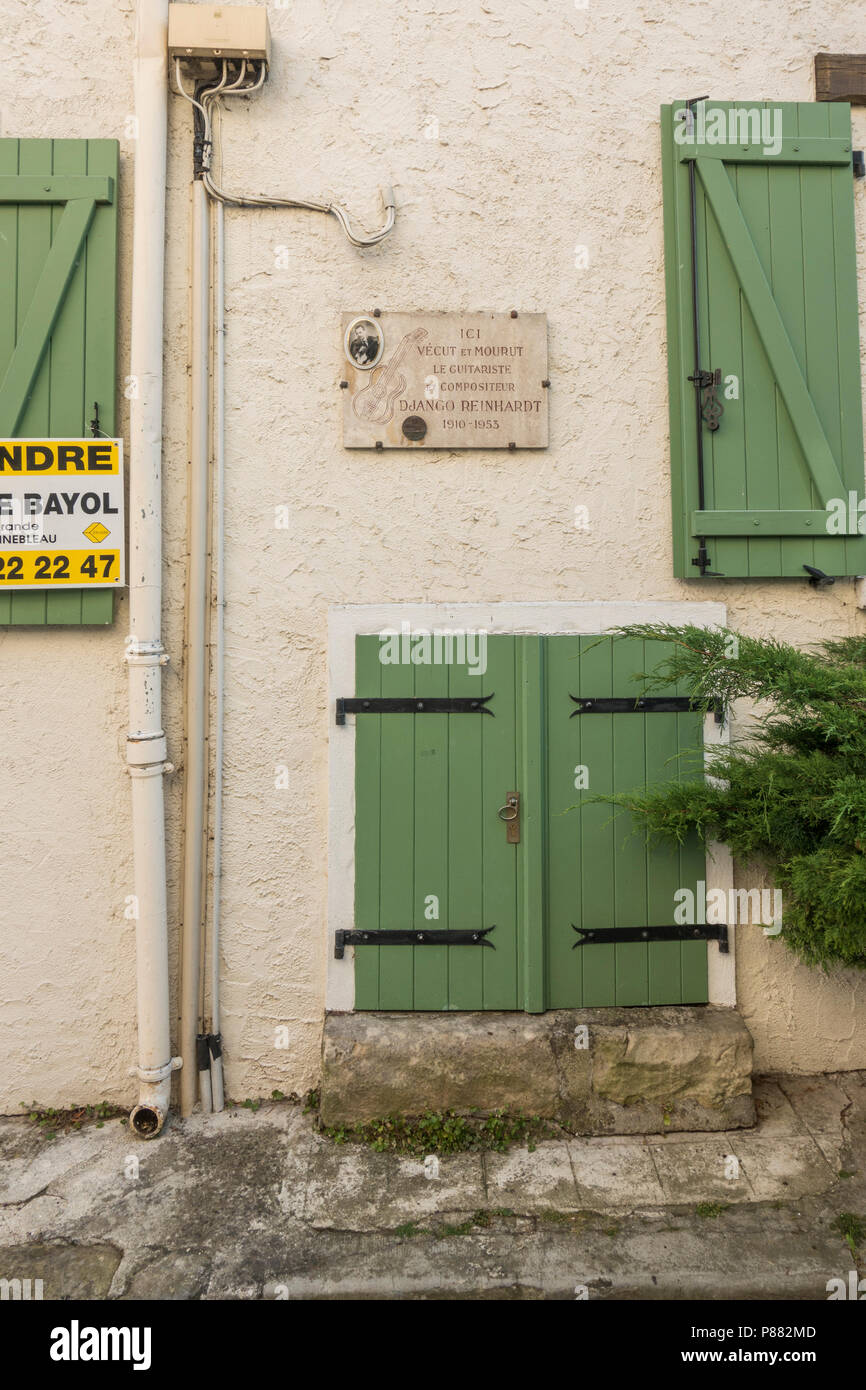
pixel 510 813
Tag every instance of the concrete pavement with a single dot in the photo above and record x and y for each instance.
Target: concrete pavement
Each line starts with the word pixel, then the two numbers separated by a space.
pixel 260 1205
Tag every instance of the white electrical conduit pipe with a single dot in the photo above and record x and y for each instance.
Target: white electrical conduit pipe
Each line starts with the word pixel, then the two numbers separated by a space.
pixel 201 1058
pixel 196 654
pixel 192 1008
pixel 146 745
pixel 216 1061
pixel 217 1089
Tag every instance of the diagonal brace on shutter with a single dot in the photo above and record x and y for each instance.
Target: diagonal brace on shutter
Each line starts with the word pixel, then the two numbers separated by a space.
pixel 782 359
pixel 60 265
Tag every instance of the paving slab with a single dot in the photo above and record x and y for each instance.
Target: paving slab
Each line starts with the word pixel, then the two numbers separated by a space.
pixel 37 1163
pixel 352 1188
pixel 832 1146
pixel 818 1101
pixel 775 1113
pixel 701 1172
pixel 615 1176
pixel 530 1182
pixel 777 1171
pixel 65 1271
pixel 416 1196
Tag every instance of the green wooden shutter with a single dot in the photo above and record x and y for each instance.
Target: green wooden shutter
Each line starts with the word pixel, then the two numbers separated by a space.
pixel 601 870
pixel 777 307
pixel 427 791
pixel 58 302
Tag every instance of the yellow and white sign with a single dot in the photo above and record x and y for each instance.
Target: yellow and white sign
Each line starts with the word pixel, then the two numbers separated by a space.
pixel 61 513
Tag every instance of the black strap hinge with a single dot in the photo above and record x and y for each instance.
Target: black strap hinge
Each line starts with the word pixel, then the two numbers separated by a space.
pixel 412 704
pixel 598 936
pixel 436 936
pixel 641 704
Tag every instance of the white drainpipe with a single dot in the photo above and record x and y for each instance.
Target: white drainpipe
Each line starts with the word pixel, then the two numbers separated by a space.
pixel 146 746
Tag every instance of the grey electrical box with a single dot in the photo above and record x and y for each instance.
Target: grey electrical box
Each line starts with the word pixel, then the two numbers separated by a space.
pixel 219 31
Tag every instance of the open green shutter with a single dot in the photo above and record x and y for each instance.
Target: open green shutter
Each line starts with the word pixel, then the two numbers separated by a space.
pixel 777 310
pixel 58 301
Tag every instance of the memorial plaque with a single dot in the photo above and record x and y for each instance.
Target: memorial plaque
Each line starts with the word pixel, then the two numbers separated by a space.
pixel 444 381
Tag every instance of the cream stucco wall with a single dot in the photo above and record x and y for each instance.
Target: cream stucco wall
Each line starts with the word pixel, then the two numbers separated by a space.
pixel 548 139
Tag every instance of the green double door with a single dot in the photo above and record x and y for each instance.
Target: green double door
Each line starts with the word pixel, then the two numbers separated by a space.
pixel 434 850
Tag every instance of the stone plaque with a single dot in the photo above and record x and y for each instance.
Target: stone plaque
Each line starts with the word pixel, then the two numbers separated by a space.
pixel 444 381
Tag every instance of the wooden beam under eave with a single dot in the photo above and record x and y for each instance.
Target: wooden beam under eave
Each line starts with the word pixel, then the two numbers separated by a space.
pixel 841 77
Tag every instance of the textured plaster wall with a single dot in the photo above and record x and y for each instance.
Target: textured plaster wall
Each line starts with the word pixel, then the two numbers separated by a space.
pixel 547 140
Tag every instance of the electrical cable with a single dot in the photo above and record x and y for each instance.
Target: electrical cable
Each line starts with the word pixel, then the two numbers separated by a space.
pixel 211 97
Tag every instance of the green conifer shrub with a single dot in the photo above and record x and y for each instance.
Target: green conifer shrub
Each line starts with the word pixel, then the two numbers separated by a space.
pixel 790 790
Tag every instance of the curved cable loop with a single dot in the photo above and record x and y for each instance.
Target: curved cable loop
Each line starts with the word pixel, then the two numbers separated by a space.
pixel 237 88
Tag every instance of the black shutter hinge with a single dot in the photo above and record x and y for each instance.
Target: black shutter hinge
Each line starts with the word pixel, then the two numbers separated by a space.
pixel 435 936
pixel 645 704
pixel 411 704
pixel 598 936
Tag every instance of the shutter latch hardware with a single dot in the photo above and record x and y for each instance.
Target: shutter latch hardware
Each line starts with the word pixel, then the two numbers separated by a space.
pixel 412 704
pixel 597 936
pixel 711 408
pixel 703 563
pixel 510 813
pixel 433 937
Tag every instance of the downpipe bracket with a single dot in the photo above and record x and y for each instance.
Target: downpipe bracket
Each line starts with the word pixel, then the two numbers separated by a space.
pixel 151 770
pixel 145 653
pixel 146 752
pixel 153 1075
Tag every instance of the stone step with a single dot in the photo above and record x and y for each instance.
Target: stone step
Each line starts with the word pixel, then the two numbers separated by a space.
pixel 595 1071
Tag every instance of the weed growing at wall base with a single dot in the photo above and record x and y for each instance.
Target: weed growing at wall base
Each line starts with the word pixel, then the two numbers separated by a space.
pixel 445 1132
